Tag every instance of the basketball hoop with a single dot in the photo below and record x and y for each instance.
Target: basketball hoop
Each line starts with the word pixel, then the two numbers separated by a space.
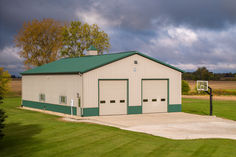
pixel 203 86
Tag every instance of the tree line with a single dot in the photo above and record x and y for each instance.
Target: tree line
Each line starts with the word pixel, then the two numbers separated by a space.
pixel 44 41
pixel 202 73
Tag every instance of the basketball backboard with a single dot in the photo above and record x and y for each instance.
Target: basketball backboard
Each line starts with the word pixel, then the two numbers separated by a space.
pixel 202 85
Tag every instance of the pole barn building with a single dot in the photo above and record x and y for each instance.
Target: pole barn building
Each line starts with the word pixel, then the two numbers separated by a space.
pixel 109 84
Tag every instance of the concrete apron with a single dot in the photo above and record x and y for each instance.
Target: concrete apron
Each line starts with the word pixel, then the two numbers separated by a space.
pixel 169 125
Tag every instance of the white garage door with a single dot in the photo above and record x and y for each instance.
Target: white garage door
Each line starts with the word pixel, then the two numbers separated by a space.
pixel 112 97
pixel 154 96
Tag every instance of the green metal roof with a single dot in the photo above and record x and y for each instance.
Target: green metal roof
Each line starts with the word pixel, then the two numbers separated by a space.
pixel 85 64
pixel 92 48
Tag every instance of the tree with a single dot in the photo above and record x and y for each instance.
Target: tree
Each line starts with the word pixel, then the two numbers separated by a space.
pixel 39 41
pixel 185 87
pixel 77 37
pixel 202 73
pixel 188 76
pixel 4 80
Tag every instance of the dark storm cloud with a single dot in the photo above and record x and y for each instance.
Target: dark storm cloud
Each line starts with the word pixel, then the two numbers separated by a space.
pixel 136 14
pixel 13 13
pixel 139 14
pixel 186 33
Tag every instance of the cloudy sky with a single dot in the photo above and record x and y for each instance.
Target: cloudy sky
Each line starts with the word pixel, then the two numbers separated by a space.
pixel 185 33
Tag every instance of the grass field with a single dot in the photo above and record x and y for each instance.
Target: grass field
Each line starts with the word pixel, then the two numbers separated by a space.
pixel 221 108
pixel 31 133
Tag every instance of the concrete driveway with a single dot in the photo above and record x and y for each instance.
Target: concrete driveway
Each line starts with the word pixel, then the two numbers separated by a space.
pixel 172 125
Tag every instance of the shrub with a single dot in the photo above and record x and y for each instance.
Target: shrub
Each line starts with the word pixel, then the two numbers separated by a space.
pixel 4 79
pixel 2 119
pixel 185 87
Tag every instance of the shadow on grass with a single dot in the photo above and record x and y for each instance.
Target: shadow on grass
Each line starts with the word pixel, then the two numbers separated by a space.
pixel 19 139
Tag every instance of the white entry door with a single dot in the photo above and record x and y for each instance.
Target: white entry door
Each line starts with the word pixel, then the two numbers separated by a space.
pixel 154 96
pixel 112 97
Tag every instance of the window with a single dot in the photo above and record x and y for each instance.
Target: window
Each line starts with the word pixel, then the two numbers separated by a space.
pixel 135 62
pixel 102 101
pixel 122 101
pixel 112 101
pixel 154 100
pixel 163 99
pixel 145 100
pixel 62 99
pixel 42 97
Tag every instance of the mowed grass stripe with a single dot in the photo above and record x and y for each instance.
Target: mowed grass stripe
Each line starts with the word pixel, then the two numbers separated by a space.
pixel 33 134
pixel 116 149
pixel 73 144
pixel 221 108
pixel 206 150
pixel 102 146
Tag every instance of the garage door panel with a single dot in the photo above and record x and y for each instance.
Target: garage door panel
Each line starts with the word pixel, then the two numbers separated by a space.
pixel 154 96
pixel 113 97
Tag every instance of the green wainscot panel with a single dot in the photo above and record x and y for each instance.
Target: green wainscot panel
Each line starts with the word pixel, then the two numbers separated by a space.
pixel 90 112
pixel 174 108
pixel 50 107
pixel 33 104
pixel 134 109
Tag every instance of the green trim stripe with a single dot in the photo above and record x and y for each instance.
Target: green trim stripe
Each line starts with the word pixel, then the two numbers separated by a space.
pixel 90 112
pixel 134 109
pixel 50 107
pixel 33 104
pixel 127 92
pixel 174 108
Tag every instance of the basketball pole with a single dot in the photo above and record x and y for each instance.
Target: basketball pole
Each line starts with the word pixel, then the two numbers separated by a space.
pixel 210 93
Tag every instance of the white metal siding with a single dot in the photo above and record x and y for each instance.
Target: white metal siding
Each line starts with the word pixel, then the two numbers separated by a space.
pixel 52 86
pixel 126 69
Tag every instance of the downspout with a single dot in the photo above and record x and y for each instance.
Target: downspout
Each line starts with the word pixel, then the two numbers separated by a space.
pixel 82 96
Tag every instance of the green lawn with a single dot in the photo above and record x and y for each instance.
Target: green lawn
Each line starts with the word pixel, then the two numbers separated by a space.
pixel 31 133
pixel 221 108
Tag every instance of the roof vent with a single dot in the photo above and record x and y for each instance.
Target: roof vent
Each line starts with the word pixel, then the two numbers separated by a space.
pixel 92 50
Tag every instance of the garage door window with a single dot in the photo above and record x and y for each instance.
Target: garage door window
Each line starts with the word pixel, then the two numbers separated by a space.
pixel 112 101
pixel 62 99
pixel 145 100
pixel 154 100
